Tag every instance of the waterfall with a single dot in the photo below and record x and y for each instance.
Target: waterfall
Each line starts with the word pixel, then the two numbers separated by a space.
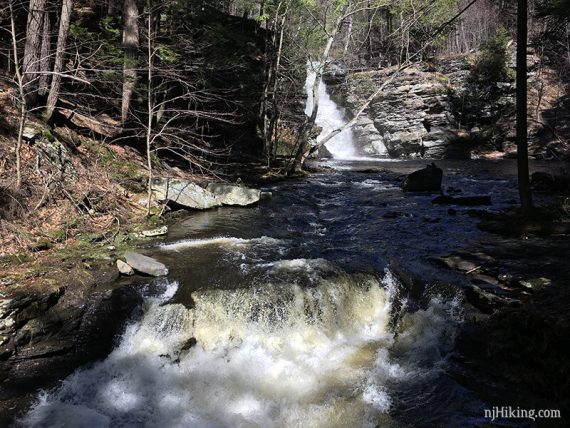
pixel 330 117
pixel 274 355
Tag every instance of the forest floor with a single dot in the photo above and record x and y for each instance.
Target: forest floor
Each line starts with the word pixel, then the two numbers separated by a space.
pixel 84 204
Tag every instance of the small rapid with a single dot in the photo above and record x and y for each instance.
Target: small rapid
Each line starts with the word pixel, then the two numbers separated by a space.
pixel 274 355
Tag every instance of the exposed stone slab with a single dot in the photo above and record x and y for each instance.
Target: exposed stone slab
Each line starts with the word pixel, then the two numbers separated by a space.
pixel 230 194
pixel 125 268
pixel 145 264
pixel 184 193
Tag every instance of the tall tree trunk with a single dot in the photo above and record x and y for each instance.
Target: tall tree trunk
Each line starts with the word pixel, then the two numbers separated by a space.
pixel 269 65
pixel 130 45
pixel 22 98
pixel 32 49
pixel 65 19
pixel 521 93
pixel 150 107
pixel 44 57
pixel 370 19
pixel 276 113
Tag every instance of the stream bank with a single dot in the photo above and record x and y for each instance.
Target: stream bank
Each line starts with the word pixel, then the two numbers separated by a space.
pixel 50 329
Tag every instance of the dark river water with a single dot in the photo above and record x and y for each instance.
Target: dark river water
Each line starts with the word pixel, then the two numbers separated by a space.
pixel 295 313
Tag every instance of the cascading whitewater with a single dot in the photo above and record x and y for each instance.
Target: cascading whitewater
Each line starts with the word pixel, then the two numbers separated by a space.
pixel 273 355
pixel 330 117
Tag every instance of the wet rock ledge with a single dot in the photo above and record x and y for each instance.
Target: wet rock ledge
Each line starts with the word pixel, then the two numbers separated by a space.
pixel 45 336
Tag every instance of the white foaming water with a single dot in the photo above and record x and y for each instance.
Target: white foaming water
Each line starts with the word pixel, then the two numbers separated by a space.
pixel 274 356
pixel 222 241
pixel 330 117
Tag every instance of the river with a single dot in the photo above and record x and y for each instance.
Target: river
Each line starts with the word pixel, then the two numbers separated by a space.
pixel 297 312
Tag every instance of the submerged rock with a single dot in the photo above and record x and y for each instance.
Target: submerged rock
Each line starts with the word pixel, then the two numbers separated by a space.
pixel 424 180
pixel 230 194
pixel 145 264
pixel 184 193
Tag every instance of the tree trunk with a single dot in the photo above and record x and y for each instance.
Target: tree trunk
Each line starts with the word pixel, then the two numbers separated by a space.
pixel 22 100
pixel 65 19
pixel 269 65
pixel 130 45
pixel 276 113
pixel 370 18
pixel 33 48
pixel 44 57
pixel 150 108
pixel 521 93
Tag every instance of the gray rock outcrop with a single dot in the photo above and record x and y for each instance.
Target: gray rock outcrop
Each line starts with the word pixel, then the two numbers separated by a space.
pixel 145 264
pixel 184 193
pixel 125 268
pixel 44 337
pixel 410 118
pixel 424 113
pixel 53 155
pixel 231 194
pixel 190 195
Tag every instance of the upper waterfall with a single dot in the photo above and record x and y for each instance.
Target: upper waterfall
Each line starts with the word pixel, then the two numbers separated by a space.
pixel 330 117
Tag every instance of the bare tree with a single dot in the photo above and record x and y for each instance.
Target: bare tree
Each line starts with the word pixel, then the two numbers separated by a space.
pixel 21 97
pixel 131 46
pixel 150 103
pixel 33 48
pixel 64 22
pixel 521 93
pixel 45 56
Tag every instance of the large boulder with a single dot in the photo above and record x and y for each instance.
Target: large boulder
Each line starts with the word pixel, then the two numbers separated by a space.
pixel 54 156
pixel 145 264
pixel 335 72
pixel 230 194
pixel 424 180
pixel 184 193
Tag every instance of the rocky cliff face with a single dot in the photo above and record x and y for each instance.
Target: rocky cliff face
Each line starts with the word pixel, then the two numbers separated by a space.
pixel 424 112
pixel 438 111
pixel 411 118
